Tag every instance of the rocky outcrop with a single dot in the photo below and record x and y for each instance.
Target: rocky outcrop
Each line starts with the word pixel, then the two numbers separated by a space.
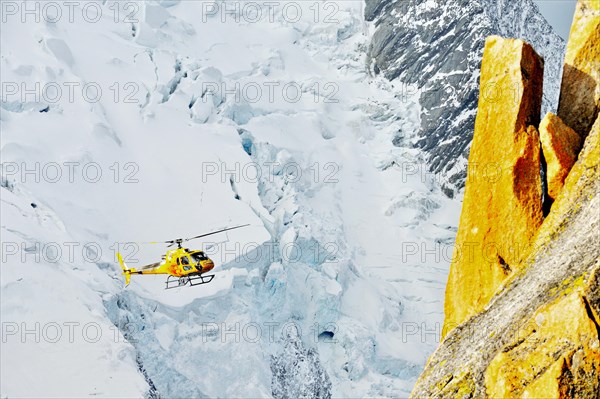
pixel 580 90
pixel 558 357
pixel 560 146
pixel 297 372
pixel 434 48
pixel 502 208
pixel 535 332
pixel 542 327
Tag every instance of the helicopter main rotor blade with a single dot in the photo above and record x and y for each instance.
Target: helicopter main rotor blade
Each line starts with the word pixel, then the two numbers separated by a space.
pixel 215 232
pixel 180 240
pixel 148 242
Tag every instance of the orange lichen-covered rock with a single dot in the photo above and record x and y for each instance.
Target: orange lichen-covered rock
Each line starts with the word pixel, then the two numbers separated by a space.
pixel 560 146
pixel 538 338
pixel 539 334
pixel 502 208
pixel 580 90
pixel 557 350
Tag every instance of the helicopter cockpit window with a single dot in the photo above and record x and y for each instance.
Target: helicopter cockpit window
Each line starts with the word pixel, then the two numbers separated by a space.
pixel 184 260
pixel 186 268
pixel 198 256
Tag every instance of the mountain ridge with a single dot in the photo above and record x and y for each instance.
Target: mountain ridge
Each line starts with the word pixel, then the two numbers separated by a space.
pixel 445 45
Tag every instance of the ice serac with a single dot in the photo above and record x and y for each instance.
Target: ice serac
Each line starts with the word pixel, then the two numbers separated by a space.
pixel 502 208
pixel 560 146
pixel 580 90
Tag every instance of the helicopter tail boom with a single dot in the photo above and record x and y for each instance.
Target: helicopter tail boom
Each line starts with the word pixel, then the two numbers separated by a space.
pixel 126 270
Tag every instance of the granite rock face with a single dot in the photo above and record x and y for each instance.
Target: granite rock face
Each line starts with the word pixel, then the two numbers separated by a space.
pixel 571 372
pixel 502 208
pixel 540 334
pixel 560 146
pixel 580 90
pixel 536 333
pixel 434 47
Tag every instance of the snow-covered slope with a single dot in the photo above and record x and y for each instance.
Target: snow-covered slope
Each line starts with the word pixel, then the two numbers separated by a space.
pixel 176 118
pixel 434 48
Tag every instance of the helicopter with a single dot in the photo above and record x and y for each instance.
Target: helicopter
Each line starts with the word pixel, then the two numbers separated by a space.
pixel 182 265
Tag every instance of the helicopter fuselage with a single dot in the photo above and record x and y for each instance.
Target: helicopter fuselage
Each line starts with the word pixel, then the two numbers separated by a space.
pixel 183 265
pixel 178 262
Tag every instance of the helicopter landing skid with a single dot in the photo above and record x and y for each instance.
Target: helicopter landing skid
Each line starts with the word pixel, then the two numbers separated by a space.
pixel 174 282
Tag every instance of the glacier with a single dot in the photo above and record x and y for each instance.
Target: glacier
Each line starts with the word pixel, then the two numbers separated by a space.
pixel 125 122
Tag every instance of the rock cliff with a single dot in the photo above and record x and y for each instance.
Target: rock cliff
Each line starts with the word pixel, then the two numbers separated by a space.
pixel 560 146
pixel 523 312
pixel 580 89
pixel 502 208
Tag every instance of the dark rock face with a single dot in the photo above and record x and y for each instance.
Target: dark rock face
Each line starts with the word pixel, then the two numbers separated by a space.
pixel 297 372
pixel 436 46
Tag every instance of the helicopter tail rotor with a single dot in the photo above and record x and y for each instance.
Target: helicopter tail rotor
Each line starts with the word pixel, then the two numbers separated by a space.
pixel 126 270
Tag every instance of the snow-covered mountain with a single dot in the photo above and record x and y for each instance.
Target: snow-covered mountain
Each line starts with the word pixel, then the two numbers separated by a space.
pixel 141 121
pixel 184 146
pixel 434 48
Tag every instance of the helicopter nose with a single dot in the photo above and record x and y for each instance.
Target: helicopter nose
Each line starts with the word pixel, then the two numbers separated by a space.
pixel 207 266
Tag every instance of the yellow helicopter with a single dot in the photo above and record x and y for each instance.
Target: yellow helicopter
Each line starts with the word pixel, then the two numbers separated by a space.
pixel 181 264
